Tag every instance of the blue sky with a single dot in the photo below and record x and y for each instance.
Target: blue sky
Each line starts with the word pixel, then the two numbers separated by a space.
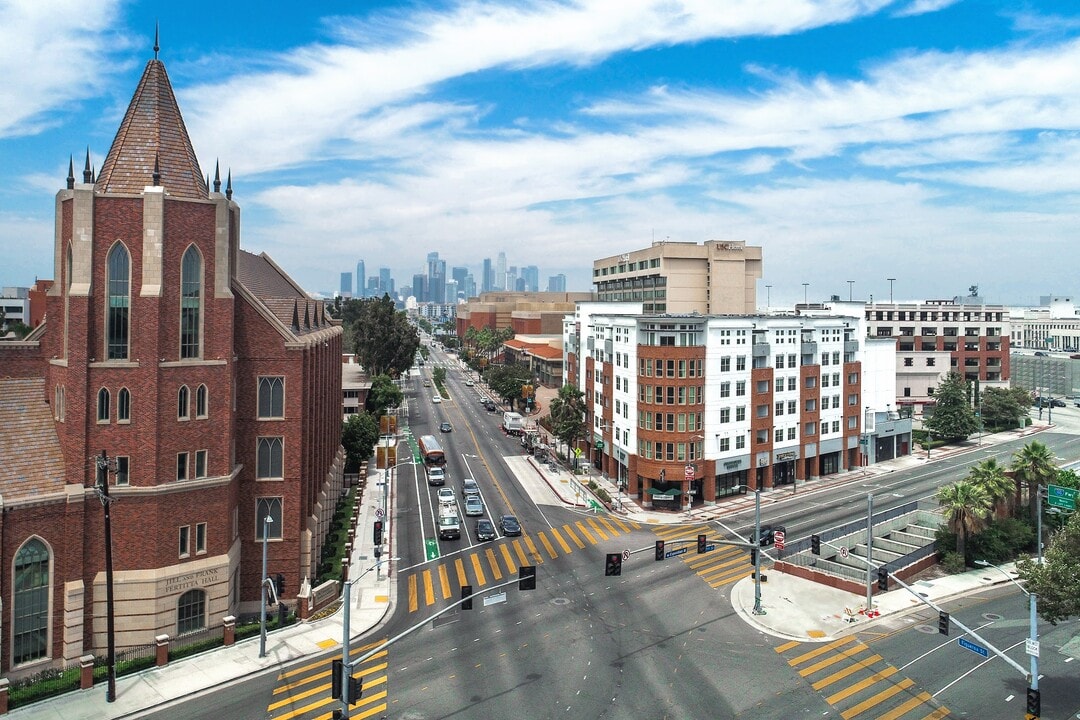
pixel 931 141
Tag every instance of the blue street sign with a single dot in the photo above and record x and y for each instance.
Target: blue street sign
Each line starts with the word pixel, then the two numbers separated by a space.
pixel 977 649
pixel 673 553
pixel 710 548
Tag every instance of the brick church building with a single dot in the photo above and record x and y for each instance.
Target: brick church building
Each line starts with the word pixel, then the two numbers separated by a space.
pixel 206 376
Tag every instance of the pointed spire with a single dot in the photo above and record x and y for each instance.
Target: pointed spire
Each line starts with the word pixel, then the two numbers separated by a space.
pixel 87 173
pixel 93 174
pixel 295 317
pixel 71 173
pixel 228 187
pixel 157 170
pixel 217 176
pixel 157 35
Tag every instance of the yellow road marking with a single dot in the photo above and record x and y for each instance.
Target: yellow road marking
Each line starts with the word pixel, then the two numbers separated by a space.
pixel 510 567
pixel 562 543
pixel 460 567
pixel 788 646
pixel 863 664
pixel 413 605
pixel 478 569
pixel 548 547
pixel 429 590
pixel 444 582
pixel 877 699
pixel 584 531
pixel 596 527
pixel 494 564
pixel 821 650
pixel 938 714
pixel 570 531
pixel 327 643
pixel 537 557
pixel 899 712
pixel 519 550
pixel 861 685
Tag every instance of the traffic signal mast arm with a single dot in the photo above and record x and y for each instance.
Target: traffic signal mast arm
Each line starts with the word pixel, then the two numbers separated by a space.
pixel 693 542
pixel 937 609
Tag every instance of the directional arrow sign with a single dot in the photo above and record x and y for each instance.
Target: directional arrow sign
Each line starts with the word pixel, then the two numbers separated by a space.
pixel 1061 497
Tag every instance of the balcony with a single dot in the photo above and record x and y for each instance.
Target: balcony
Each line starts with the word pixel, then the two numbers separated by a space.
pixel 761 349
pixel 851 346
pixel 809 348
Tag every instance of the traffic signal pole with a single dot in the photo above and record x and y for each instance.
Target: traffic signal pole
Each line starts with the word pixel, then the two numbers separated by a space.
pixel 758 610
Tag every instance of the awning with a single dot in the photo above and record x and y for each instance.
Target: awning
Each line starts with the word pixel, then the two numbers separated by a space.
pixel 671 492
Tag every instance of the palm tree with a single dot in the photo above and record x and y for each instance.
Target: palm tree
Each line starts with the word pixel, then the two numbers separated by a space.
pixel 967 506
pixel 1033 465
pixel 991 477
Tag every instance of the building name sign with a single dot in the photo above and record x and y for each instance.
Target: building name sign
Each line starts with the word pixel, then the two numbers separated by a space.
pixel 732 464
pixel 729 246
pixel 197 579
pixel 781 457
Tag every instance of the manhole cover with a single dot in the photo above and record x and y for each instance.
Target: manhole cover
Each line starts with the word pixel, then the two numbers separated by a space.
pixel 992 616
pixel 560 601
pixel 927 629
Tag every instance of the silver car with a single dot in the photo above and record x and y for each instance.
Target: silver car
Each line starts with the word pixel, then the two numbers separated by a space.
pixel 473 505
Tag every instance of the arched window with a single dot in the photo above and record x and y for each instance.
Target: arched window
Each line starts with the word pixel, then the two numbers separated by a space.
pixel 103 405
pixel 123 406
pixel 201 401
pixel 118 287
pixel 268 459
pixel 190 303
pixel 191 611
pixel 30 611
pixel 183 403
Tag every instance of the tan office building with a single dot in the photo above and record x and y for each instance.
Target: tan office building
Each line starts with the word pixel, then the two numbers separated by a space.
pixel 714 278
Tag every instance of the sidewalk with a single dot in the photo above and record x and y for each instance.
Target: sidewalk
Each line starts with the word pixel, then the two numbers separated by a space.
pixel 373 594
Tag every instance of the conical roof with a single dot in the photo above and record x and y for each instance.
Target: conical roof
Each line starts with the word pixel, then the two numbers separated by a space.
pixel 152 130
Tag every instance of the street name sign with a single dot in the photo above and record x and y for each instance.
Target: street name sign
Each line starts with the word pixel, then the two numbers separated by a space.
pixel 1061 497
pixel 977 649
pixel 673 553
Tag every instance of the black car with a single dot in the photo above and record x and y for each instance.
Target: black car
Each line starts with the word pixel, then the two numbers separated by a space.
pixel 445 427
pixel 510 525
pixel 768 534
pixel 485 530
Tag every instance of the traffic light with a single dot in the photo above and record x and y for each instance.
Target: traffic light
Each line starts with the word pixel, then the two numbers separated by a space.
pixel 1034 703
pixel 943 623
pixel 613 564
pixel 659 549
pixel 335 679
pixel 356 689
pixel 815 544
pixel 466 597
pixel 753 556
pixel 701 540
pixel 882 578
pixel 527 577
pixel 377 532
pixel 279 585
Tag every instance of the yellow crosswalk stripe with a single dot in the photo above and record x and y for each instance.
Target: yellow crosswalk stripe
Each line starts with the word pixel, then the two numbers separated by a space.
pixel 820 650
pixel 877 699
pixel 478 569
pixel 412 594
pixel 938 714
pixel 537 557
pixel 548 546
pixel 519 550
pixel 861 685
pixel 444 582
pixel 496 571
pixel 844 672
pixel 733 575
pixel 584 531
pixel 570 531
pixel 622 526
pixel 597 529
pixel 510 567
pixel 863 664
pixel 429 590
pixel 461 577
pixel 788 646
pixel 902 710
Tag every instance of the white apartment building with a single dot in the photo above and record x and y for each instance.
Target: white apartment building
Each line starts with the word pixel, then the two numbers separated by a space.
pixel 1055 326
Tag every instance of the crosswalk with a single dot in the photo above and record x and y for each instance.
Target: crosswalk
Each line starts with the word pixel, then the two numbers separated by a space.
pixel 494 562
pixel 858 683
pixel 303 692
pixel 723 565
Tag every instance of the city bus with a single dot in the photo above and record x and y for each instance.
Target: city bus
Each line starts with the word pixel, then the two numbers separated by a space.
pixel 431 450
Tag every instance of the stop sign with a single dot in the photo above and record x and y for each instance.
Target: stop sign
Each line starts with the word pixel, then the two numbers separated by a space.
pixel 778 539
pixel 688 472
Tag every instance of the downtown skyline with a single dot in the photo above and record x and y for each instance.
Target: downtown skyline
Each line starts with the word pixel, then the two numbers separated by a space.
pixel 930 141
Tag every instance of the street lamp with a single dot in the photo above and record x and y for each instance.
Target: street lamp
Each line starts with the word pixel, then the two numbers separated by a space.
pixel 101 487
pixel 346 669
pixel 768 297
pixel 1033 609
pixel 891 281
pixel 262 588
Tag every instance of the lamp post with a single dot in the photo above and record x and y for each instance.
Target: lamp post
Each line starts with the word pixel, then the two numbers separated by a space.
pixel 101 487
pixel 758 610
pixel 262 588
pixel 1033 608
pixel 346 668
pixel 768 297
pixel 891 281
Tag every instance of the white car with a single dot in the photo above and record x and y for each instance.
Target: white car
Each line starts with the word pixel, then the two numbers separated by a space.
pixel 469 383
pixel 446 494
pixel 436 399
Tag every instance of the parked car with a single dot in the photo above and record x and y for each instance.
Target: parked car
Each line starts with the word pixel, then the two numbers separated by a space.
pixel 473 505
pixel 445 427
pixel 485 530
pixel 469 383
pixel 768 534
pixel 509 525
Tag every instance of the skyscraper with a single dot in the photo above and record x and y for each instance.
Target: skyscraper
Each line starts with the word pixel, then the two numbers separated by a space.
pixel 557 283
pixel 459 274
pixel 487 282
pixel 531 275
pixel 361 278
pixel 500 271
pixel 346 284
pixel 419 288
pixel 386 283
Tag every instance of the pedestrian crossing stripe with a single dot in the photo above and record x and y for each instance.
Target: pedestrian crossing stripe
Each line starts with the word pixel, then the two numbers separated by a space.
pixel 891 697
pixel 305 689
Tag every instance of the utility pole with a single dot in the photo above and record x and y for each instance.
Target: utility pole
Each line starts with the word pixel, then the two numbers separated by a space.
pixel 758 610
pixel 869 552
pixel 101 487
pixel 262 589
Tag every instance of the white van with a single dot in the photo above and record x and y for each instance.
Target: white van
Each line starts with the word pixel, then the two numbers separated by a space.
pixel 449 521
pixel 436 476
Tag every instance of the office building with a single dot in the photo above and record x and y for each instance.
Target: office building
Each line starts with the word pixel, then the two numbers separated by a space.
pixel 361 279
pixel 500 271
pixel 1054 326
pixel 716 277
pixel 487 282
pixel 531 275
pixel 557 283
pixel 346 285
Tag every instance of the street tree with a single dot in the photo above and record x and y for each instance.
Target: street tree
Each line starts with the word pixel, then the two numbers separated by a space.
pixel 567 412
pixel 1056 581
pixel 383 395
pixel 967 508
pixel 991 477
pixel 1004 407
pixel 1033 466
pixel 386 342
pixel 953 418
pixel 507 380
pixel 358 436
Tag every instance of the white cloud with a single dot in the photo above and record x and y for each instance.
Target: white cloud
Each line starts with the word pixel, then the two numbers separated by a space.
pixel 922 7
pixel 52 53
